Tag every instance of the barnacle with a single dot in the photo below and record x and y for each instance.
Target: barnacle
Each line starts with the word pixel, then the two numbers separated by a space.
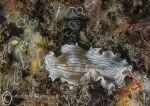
pixel 76 64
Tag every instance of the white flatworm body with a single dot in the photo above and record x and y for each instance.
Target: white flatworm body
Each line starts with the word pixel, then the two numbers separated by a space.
pixel 76 64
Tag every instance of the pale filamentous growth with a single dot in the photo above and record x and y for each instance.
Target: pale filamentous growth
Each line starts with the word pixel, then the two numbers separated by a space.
pixel 76 64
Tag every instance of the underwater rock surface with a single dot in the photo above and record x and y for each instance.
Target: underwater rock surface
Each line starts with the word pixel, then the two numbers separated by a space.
pixel 98 76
